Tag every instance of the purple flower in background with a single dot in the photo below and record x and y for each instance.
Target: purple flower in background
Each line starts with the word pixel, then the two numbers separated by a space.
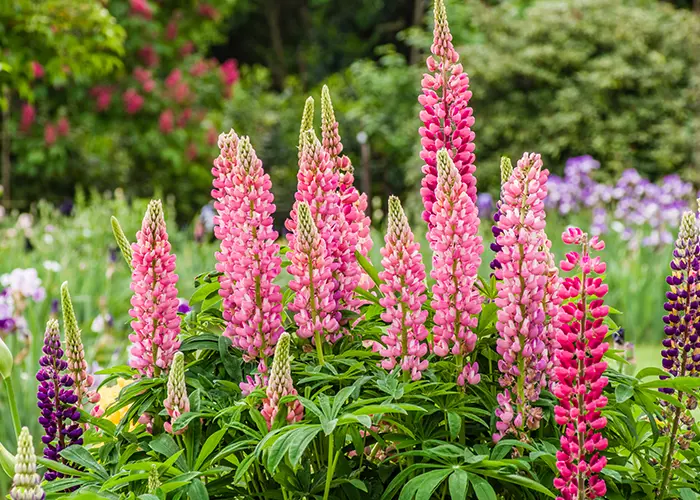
pixel 184 306
pixel 484 202
pixel 56 400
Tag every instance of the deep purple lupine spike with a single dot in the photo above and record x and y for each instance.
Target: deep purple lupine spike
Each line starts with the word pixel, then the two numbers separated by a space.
pixel 56 400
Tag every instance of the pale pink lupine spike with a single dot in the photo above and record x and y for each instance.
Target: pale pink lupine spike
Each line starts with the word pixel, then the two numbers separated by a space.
pixel 154 304
pixel 404 292
pixel 523 283
pixel 249 255
pixel 457 248
pixel 446 115
pixel 280 385
pixel 311 267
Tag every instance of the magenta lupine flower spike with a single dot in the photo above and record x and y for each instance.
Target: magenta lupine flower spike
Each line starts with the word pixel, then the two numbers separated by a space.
pixel 681 346
pixel 281 385
pixel 249 257
pixel 177 402
pixel 456 244
pixel 156 323
pixel 522 283
pixel 310 264
pixel 579 374
pixel 404 292
pixel 446 115
pixel 26 482
pixel 75 352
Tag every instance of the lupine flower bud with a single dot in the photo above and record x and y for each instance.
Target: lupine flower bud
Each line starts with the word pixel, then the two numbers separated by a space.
pixel 6 360
pixel 446 115
pixel 280 385
pixel 404 294
pixel 154 304
pixel 122 242
pixel 521 283
pixel 307 123
pixel 506 172
pixel 579 372
pixel 177 401
pixel 249 257
pixel 153 479
pixel 56 400
pixel 456 244
pixel 26 482
pixel 310 264
pixel 75 352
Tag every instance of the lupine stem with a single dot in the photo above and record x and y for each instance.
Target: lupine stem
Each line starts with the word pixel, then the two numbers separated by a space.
pixel 331 467
pixel 13 405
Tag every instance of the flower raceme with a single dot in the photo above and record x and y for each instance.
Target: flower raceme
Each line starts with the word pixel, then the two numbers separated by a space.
pixel 310 265
pixel 446 115
pixel 521 283
pixel 249 257
pixel 154 303
pixel 26 482
pixel 280 385
pixel 177 401
pixel 506 172
pixel 579 371
pixel 56 400
pixel 457 253
pixel 404 292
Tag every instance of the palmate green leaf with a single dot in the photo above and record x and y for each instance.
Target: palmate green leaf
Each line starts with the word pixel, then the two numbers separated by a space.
pixel 623 392
pixel 64 484
pixel 402 476
pixel 482 488
pixel 62 468
pixel 198 490
pixel 122 479
pixel 650 371
pixel 422 487
pixel 201 342
pixel 79 455
pixel 687 494
pixel 679 383
pixel 204 291
pixel 516 479
pixel 379 409
pixel 243 467
pixel 459 484
pixel 454 424
pixel 166 446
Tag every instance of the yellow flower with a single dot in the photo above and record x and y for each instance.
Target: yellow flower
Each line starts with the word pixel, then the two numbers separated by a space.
pixel 109 396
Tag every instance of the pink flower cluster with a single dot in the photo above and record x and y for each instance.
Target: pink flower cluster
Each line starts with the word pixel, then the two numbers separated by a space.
pixel 317 187
pixel 579 374
pixel 446 115
pixel 281 385
pixel 311 266
pixel 457 248
pixel 249 257
pixel 521 283
pixel 154 303
pixel 404 292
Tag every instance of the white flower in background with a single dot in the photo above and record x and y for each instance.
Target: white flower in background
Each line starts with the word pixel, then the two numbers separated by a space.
pixel 24 221
pixel 2 212
pixel 24 282
pixel 100 321
pixel 48 239
pixel 52 265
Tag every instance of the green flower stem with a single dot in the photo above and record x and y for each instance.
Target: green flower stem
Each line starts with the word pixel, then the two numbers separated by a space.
pixel 13 405
pixel 332 460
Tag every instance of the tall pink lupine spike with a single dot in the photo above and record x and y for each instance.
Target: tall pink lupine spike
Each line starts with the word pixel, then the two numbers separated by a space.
pixel 317 186
pixel 522 285
pixel 310 264
pixel 154 304
pixel 281 385
pixel 249 257
pixel 446 115
pixel 354 224
pixel 404 292
pixel 457 248
pixel 579 374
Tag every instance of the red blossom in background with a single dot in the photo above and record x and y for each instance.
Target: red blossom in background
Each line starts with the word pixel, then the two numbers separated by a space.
pixel 50 134
pixel 184 117
pixel 37 70
pixel 133 102
pixel 187 48
pixel 63 126
pixel 141 8
pixel 208 11
pixel 149 56
pixel 28 117
pixel 166 121
pixel 103 96
pixel 171 30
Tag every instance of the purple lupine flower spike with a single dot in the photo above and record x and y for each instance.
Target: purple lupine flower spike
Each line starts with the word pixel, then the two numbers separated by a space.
pixel 56 400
